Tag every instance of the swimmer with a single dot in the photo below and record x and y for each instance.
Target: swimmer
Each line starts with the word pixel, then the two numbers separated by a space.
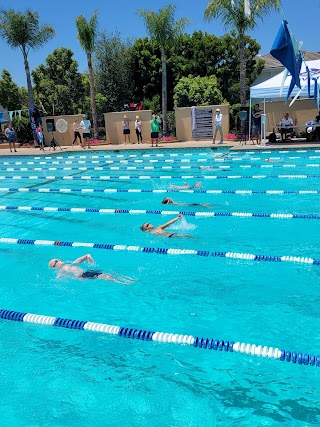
pixel 213 167
pixel 186 186
pixel 218 156
pixel 74 272
pixel 275 160
pixel 169 201
pixel 159 230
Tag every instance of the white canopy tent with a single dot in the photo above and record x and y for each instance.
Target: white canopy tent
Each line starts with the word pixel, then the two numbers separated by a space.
pixel 270 90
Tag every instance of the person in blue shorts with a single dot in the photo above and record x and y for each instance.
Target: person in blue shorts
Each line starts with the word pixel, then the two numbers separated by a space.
pixel 169 201
pixel 159 230
pixel 72 271
pixel 11 136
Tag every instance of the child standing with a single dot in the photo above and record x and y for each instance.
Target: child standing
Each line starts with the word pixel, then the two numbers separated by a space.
pixel 40 136
pixel 137 125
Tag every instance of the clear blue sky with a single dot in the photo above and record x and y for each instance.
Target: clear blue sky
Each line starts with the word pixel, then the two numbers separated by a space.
pixel 121 16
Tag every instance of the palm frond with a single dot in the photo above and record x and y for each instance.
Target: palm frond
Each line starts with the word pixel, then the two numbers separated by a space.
pixel 232 15
pixel 162 26
pixel 23 29
pixel 87 31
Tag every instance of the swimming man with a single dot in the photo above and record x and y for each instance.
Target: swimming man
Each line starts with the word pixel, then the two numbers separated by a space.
pixel 159 230
pixel 169 201
pixel 71 270
pixel 186 186
pixel 274 160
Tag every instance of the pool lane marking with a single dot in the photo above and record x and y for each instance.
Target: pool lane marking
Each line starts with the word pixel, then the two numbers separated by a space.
pixel 152 168
pixel 166 251
pixel 207 152
pixel 275 215
pixel 166 160
pixel 140 190
pixel 295 357
pixel 143 177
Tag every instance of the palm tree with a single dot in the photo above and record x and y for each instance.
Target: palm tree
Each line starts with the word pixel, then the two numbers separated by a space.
pixel 232 14
pixel 164 29
pixel 87 33
pixel 23 30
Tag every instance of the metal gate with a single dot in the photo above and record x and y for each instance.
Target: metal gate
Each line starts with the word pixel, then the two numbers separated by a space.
pixel 201 123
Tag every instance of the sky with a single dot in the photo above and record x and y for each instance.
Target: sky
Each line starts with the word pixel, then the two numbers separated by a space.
pixel 121 16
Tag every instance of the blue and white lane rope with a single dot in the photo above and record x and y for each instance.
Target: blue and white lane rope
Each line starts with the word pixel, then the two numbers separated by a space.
pixel 167 167
pixel 163 337
pixel 165 160
pixel 141 190
pixel 209 151
pixel 106 168
pixel 160 212
pixel 165 251
pixel 128 177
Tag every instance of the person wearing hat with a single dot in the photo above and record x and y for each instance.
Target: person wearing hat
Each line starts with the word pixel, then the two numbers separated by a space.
pixel 137 126
pixel 218 126
pixel 126 129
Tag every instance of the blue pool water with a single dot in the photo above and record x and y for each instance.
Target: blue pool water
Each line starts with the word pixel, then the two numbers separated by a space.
pixel 57 377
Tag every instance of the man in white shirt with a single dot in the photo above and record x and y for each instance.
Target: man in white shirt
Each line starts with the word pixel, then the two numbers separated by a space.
pixel 218 126
pixel 285 127
pixel 85 125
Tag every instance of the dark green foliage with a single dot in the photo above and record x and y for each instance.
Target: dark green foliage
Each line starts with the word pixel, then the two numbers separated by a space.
pixel 112 68
pixel 191 91
pixel 58 84
pixel 10 97
pixel 199 54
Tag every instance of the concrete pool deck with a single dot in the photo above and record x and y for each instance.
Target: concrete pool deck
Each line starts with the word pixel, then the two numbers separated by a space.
pixel 29 151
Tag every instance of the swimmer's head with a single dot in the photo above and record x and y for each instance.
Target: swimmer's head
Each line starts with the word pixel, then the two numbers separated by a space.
pixel 146 226
pixel 267 160
pixel 55 263
pixel 167 201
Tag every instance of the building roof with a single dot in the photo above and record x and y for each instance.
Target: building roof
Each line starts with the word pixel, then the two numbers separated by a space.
pixel 271 62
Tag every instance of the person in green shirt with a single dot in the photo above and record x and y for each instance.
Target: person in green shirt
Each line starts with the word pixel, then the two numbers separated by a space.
pixel 155 123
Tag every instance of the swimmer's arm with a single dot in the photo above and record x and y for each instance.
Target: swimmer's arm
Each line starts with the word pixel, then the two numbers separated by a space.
pixel 83 258
pixel 169 222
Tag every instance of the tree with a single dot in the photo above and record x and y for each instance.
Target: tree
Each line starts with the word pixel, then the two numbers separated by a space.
pixel 23 31
pixel 163 28
pixel 200 54
pixel 197 91
pixel 9 92
pixel 87 33
pixel 232 14
pixel 112 68
pixel 58 84
pixel 146 70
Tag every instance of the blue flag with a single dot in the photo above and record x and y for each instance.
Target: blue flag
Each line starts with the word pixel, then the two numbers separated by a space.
pixel 309 81
pixel 294 82
pixel 315 94
pixel 283 50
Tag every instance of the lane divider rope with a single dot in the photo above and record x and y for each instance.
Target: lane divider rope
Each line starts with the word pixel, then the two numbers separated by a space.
pixel 166 251
pixel 295 357
pixel 165 212
pixel 140 190
pixel 166 160
pixel 128 177
pixel 208 152
pixel 116 168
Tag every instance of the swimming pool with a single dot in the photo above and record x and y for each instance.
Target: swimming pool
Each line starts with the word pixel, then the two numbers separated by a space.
pixel 55 376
